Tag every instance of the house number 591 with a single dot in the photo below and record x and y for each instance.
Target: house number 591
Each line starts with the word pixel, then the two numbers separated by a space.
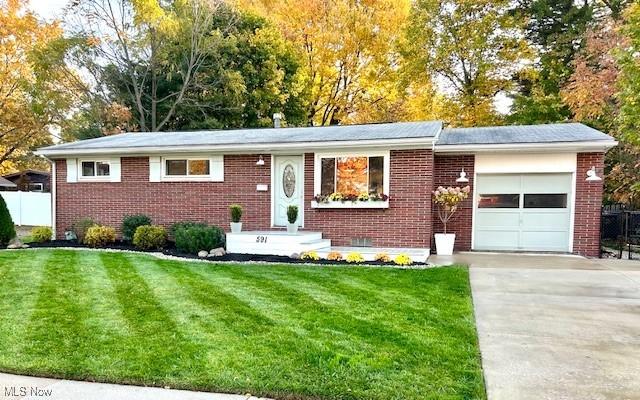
pixel 261 239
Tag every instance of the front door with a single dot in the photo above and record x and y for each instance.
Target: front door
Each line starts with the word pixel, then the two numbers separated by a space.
pixel 288 187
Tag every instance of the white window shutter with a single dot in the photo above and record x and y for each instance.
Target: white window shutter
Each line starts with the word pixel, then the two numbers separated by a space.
pixel 72 170
pixel 155 171
pixel 115 169
pixel 216 164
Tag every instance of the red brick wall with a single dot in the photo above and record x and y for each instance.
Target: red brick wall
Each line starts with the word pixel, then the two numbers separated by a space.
pixel 407 221
pixel 446 171
pixel 586 234
pixel 167 202
pixel 406 224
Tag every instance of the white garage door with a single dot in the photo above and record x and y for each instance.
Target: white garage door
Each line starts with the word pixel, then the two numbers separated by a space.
pixel 523 212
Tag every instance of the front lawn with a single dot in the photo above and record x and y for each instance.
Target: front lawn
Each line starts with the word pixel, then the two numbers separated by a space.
pixel 278 331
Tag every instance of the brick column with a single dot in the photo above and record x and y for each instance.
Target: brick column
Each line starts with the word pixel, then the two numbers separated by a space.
pixel 588 204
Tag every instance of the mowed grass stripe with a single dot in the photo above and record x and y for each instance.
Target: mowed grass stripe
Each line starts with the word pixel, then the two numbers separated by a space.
pixel 154 350
pixel 20 279
pixel 58 335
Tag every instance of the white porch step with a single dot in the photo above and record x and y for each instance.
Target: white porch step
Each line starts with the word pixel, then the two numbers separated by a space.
pixel 278 243
pixel 369 253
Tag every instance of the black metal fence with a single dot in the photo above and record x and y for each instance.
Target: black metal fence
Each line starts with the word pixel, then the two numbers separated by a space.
pixel 620 229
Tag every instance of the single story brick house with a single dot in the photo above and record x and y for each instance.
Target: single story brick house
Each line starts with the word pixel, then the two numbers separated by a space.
pixel 533 188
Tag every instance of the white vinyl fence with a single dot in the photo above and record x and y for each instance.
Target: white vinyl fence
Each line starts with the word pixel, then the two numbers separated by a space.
pixel 29 208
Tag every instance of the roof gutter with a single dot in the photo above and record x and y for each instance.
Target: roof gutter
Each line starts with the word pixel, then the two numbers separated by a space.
pixel 590 146
pixel 408 143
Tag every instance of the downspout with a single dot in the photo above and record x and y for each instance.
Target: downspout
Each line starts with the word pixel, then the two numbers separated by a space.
pixel 54 188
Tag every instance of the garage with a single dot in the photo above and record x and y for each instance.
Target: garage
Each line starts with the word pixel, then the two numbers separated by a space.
pixel 523 212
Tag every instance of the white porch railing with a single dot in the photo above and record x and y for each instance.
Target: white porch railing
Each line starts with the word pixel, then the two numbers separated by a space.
pixel 29 208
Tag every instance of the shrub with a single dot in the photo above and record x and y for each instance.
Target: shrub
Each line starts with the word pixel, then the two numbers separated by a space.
pixel 403 259
pixel 81 226
pixel 292 214
pixel 197 238
pixel 183 225
pixel 334 256
pixel 99 236
pixel 150 237
pixel 236 212
pixel 7 229
pixel 41 234
pixel 131 222
pixel 355 257
pixel 382 257
pixel 310 255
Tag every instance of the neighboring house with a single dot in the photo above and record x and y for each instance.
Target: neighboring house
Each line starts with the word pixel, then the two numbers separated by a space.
pixel 30 180
pixel 529 183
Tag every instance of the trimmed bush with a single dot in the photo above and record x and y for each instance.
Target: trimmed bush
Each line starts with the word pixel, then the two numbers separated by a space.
pixel 100 236
pixel 150 237
pixel 292 214
pixel 7 229
pixel 198 238
pixel 131 222
pixel 81 226
pixel 184 225
pixel 236 212
pixel 41 234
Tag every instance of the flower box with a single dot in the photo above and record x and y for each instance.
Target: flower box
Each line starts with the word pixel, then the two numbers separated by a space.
pixel 350 204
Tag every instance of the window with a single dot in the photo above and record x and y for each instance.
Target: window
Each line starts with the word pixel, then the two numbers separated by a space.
pixel 187 167
pixel 352 175
pixel 93 169
pixel 545 200
pixel 499 201
pixel 36 187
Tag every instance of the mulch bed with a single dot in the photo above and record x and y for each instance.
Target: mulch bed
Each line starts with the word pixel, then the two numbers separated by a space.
pixel 171 250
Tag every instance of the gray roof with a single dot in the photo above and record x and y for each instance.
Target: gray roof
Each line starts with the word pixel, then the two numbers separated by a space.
pixel 4 182
pixel 550 133
pixel 403 130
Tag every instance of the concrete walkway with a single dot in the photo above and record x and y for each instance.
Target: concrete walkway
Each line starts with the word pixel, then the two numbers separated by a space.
pixel 25 387
pixel 556 327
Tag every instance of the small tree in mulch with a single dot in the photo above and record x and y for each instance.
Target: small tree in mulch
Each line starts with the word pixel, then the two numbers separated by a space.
pixel 7 229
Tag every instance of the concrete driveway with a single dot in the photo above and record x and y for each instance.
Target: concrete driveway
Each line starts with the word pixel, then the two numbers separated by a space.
pixel 557 327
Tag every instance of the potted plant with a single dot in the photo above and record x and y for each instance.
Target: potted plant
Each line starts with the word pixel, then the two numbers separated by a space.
pixel 236 215
pixel 292 217
pixel 448 200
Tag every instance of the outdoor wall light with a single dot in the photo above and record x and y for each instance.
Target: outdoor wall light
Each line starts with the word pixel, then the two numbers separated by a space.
pixel 260 161
pixel 592 175
pixel 463 177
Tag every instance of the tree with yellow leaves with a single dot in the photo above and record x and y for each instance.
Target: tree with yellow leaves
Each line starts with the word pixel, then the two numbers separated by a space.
pixel 349 53
pixel 32 99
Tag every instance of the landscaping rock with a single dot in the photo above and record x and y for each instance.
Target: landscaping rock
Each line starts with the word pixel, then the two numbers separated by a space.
pixel 217 252
pixel 203 254
pixel 25 246
pixel 15 244
pixel 295 256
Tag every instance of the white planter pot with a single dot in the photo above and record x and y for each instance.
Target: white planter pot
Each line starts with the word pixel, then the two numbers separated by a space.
pixel 444 243
pixel 292 228
pixel 236 227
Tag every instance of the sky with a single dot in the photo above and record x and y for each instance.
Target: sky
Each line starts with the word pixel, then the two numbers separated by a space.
pixel 51 9
pixel 48 9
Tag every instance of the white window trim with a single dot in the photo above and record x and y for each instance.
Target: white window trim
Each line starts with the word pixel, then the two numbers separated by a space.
pixel 39 185
pixel 317 183
pixel 96 178
pixel 212 176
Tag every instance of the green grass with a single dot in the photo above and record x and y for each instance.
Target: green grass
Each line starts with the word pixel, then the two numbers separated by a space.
pixel 286 332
